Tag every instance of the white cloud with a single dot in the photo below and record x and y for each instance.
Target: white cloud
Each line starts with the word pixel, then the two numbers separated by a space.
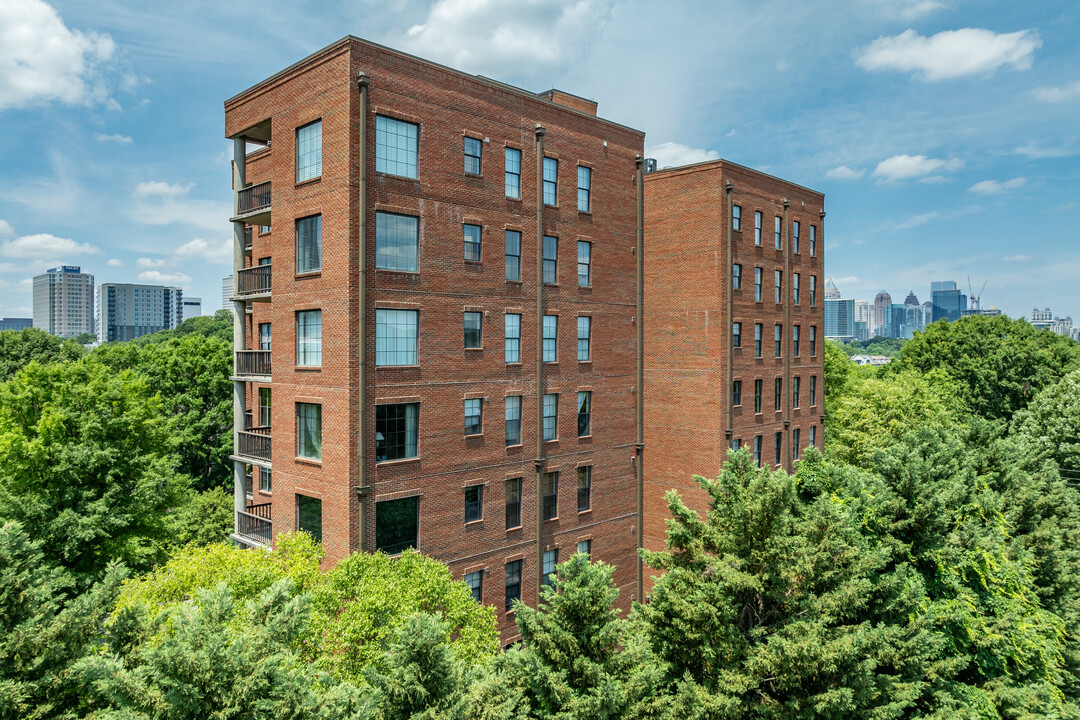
pixel 843 172
pixel 916 221
pixel 6 229
pixel 153 276
pixel 920 8
pixel 950 54
pixel 509 37
pixel 1032 150
pixel 934 179
pixel 113 262
pixel 903 167
pixel 672 154
pixel 156 188
pixel 149 262
pixel 41 60
pixel 1018 258
pixel 207 250
pixel 117 138
pixel 993 187
pixel 162 203
pixel 44 245
pixel 1057 94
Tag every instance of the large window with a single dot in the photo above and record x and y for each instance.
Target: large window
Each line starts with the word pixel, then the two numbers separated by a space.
pixel 396 334
pixel 813 390
pixel 266 483
pixel 813 340
pixel 551 181
pixel 397 525
pixel 584 413
pixel 396 429
pixel 397 241
pixel 584 338
pixel 265 334
pixel 813 240
pixel 472 242
pixel 309 338
pixel 513 420
pixel 309 431
pixel 795 391
pixel 473 150
pixel 813 290
pixel 551 338
pixel 584 488
pixel 736 217
pixel 757 450
pixel 475 581
pixel 513 503
pixel 512 335
pixel 309 516
pixel 585 547
pixel 736 334
pixel 795 444
pixel 474 503
pixel 813 436
pixel 795 341
pixel 551 559
pixel 309 151
pixel 777 238
pixel 513 173
pixel 584 263
pixel 513 583
pixel 736 276
pixel 264 406
pixel 513 256
pixel 584 189
pixel 778 394
pixel 551 416
pixel 551 260
pixel 778 285
pixel 778 335
pixel 736 392
pixel 757 227
pixel 795 237
pixel 474 416
pixel 473 336
pixel 396 146
pixel 757 340
pixel 757 284
pixel 757 396
pixel 795 277
pixel 309 244
pixel 778 443
pixel 549 490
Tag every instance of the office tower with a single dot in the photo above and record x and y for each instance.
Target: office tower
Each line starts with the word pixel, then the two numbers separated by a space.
pixel 840 319
pixel 129 311
pixel 948 301
pixel 192 307
pixel 882 301
pixel 64 301
pixel 227 292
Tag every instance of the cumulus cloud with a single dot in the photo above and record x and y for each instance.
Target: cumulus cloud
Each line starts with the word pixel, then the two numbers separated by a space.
pixel 950 54
pixel 843 172
pixel 162 203
pixel 210 251
pixel 6 229
pixel 1018 258
pixel 160 278
pixel 113 262
pixel 117 138
pixel 993 187
pixel 916 221
pixel 1067 91
pixel 903 167
pixel 1032 150
pixel 156 188
pixel 672 154
pixel 149 262
pixel 42 60
pixel 44 245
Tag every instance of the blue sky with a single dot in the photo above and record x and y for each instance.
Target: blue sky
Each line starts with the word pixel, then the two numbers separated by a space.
pixel 945 134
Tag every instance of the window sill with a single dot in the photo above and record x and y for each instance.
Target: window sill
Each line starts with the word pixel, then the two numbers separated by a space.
pixel 512 199
pixel 308 368
pixel 474 523
pixel 396 367
pixel 587 511
pixel 477 263
pixel 474 435
pixel 585 437
pixel 584 362
pixel 554 284
pixel 555 440
pixel 584 212
pixel 399 461
pixel 477 349
pixel 513 529
pixel 398 177
pixel 513 364
pixel 398 272
pixel 305 183
pixel 513 282
pixel 314 462
pixel 474 175
pixel 309 274
pixel 552 519
pixel 515 446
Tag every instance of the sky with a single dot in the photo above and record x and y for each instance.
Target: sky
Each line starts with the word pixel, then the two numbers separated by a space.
pixel 945 134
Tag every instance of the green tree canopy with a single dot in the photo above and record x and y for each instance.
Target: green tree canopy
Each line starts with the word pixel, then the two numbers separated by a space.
pixel 1052 422
pixel 18 348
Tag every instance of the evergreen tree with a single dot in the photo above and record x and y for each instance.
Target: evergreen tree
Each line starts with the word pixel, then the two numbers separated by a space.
pixel 422 679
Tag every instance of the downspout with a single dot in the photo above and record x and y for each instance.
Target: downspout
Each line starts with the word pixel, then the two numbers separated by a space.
pixel 729 430
pixel 785 338
pixel 639 447
pixel 363 489
pixel 539 460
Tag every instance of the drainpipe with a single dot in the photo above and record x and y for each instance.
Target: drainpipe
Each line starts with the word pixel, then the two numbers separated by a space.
pixel 363 489
pixel 639 447
pixel 729 318
pixel 785 447
pixel 538 462
pixel 239 320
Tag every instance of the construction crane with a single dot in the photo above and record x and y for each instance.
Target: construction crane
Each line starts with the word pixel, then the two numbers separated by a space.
pixel 973 299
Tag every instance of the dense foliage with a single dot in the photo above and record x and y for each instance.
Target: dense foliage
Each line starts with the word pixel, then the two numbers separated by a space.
pixel 877 345
pixel 18 348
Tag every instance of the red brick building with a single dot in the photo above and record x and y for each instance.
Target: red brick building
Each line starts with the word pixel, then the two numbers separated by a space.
pixel 734 320
pixel 439 281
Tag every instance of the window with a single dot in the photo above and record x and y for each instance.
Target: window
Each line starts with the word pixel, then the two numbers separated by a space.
pixel 551 336
pixel 264 406
pixel 584 414
pixel 472 243
pixel 584 264
pixel 757 340
pixel 795 341
pixel 513 173
pixel 397 525
pixel 551 416
pixel 309 516
pixel 813 436
pixel 396 242
pixel 584 188
pixel 513 583
pixel 795 382
pixel 396 337
pixel 736 217
pixel 513 503
pixel 473 149
pixel 736 392
pixel 795 237
pixel 736 334
pixel 551 559
pixel 513 256
pixel 813 290
pixel 551 258
pixel 512 338
pixel 757 397
pixel 757 227
pixel 736 276
pixel 585 547
pixel 513 420
pixel 813 390
pixel 778 394
pixel 474 503
pixel 396 145
pixel 795 444
pixel 795 288
pixel 584 338
pixel 309 151
pixel 396 428
pixel 309 244
pixel 473 338
pixel 778 441
pixel 813 340
pixel 309 338
pixel 584 488
pixel 549 490
pixel 778 333
pixel 263 229
pixel 266 484
pixel 264 336
pixel 757 284
pixel 475 581
pixel 551 181
pixel 309 430
pixel 776 233
pixel 735 445
pixel 813 240
pixel 474 421
pixel 778 286
pixel 757 450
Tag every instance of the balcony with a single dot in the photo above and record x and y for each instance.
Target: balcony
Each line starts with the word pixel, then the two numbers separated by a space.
pixel 253 363
pixel 253 283
pixel 254 526
pixel 253 204
pixel 253 444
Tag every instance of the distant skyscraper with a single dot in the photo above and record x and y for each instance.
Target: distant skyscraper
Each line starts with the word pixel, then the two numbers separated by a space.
pixel 949 302
pixel 839 314
pixel 862 320
pixel 64 301
pixel 192 307
pixel 226 292
pixel 831 291
pixel 911 298
pixel 881 303
pixel 16 323
pixel 130 311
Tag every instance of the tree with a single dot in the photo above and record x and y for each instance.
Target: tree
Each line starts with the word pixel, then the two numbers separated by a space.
pixel 1052 422
pixel 18 348
pixel 219 325
pixel 205 518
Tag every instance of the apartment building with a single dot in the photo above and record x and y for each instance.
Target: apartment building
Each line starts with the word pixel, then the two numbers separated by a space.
pixel 438 278
pixel 734 316
pixel 128 311
pixel 64 301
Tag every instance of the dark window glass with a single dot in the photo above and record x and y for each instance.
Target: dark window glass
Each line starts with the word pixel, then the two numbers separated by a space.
pixel 264 407
pixel 475 581
pixel 795 340
pixel 813 390
pixel 795 444
pixel 778 334
pixel 736 334
pixel 551 258
pixel 736 276
pixel 736 392
pixel 795 237
pixel 584 415
pixel 757 284
pixel 309 244
pixel 584 488
pixel 757 450
pixel 513 256
pixel 757 396
pixel 778 385
pixel 474 424
pixel 551 559
pixel 736 217
pixel 472 242
pixel 549 489
pixel 513 503
pixel 513 420
pixel 472 330
pixel 309 516
pixel 795 391
pixel 309 430
pixel 397 525
pixel 396 429
pixel 777 443
pixel 474 503
pixel 513 583
pixel 473 149
pixel 757 339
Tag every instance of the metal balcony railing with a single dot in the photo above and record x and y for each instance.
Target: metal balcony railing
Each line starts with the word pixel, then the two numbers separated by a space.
pixel 254 198
pixel 253 280
pixel 252 362
pixel 255 524
pixel 254 443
